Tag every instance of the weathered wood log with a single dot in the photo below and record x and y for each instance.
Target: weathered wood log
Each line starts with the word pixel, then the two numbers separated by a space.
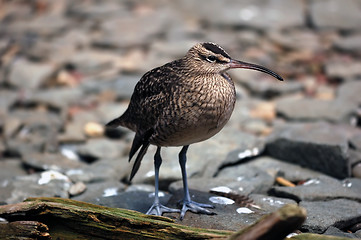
pixel 69 219
pixel 24 230
pixel 275 226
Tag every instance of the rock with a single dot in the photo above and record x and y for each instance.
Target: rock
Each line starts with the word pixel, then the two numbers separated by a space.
pixel 99 171
pixel 19 74
pixel 335 14
pixel 351 43
pixel 123 86
pixel 255 14
pixel 50 161
pixel 98 190
pixel 11 126
pixel 243 185
pixel 262 85
pixel 139 32
pixel 314 109
pixel 95 11
pixel 321 188
pixel 269 203
pixel 301 40
pixel 356 170
pixel 77 188
pixel 228 216
pixel 7 99
pixel 340 213
pixel 74 133
pixel 23 187
pixel 99 148
pixel 9 169
pixel 93 129
pixel 319 146
pixel 343 69
pixel 350 92
pixel 274 168
pixel 333 231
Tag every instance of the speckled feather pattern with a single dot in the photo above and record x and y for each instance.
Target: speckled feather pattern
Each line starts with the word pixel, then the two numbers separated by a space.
pixel 181 108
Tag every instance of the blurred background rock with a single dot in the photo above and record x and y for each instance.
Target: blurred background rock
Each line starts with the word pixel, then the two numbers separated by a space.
pixel 68 67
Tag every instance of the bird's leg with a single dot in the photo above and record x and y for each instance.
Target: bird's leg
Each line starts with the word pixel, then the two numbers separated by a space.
pixel 188 204
pixel 157 208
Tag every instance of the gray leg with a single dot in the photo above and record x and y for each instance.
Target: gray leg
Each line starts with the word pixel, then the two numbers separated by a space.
pixel 188 204
pixel 157 208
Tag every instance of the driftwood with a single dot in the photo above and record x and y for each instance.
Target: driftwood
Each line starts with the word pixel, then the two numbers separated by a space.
pixel 56 218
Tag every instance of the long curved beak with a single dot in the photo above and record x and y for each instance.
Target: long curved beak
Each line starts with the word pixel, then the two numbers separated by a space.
pixel 240 64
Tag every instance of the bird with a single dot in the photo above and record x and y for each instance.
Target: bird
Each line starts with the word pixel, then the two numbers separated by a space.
pixel 185 101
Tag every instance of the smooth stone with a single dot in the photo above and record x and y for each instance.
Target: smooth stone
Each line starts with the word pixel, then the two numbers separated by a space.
pixel 333 231
pixel 350 43
pixel 73 133
pixel 317 189
pixel 342 69
pixel 27 186
pixel 256 14
pixel 10 168
pixel 99 171
pixel 340 213
pixel 50 161
pixel 314 109
pixel 273 167
pixel 301 40
pixel 350 91
pixel 98 148
pixel 96 11
pixel 242 185
pixel 356 170
pixel 135 200
pixel 319 146
pixel 7 99
pixel 226 216
pixel 270 203
pixel 19 76
pixel 99 190
pixel 77 188
pixel 335 14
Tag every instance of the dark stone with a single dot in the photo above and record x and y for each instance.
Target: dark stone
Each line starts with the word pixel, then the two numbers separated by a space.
pixel 321 188
pixel 333 231
pixel 340 213
pixel 350 92
pixel 319 146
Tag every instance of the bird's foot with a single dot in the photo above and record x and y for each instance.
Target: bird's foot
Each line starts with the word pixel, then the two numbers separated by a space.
pixel 158 209
pixel 195 207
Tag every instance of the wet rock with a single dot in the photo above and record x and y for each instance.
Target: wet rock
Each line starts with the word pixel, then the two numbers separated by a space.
pixel 23 187
pixel 319 146
pixel 340 213
pixel 321 188
pixel 243 185
pixel 349 43
pixel 98 190
pixel 123 86
pixel 19 75
pixel 257 14
pixel 270 203
pixel 335 14
pixel 99 148
pixel 10 168
pixel 273 167
pixel 350 91
pixel 333 231
pixel 50 161
pixel 265 86
pixel 139 32
pixel 314 109
pixel 227 217
pixel 135 200
pixel 7 99
pixel 343 69
pixel 99 171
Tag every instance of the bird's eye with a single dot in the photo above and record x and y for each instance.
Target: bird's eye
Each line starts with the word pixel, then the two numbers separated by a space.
pixel 211 59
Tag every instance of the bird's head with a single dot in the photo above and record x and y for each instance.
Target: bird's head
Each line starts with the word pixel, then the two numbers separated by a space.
pixel 210 58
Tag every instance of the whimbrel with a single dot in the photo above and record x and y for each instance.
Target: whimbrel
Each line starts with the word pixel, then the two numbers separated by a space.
pixel 182 102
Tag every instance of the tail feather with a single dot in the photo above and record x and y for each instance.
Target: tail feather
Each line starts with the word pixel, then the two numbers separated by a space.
pixel 114 123
pixel 140 141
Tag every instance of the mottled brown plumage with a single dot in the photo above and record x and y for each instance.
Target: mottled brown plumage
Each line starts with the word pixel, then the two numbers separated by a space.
pixel 182 102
